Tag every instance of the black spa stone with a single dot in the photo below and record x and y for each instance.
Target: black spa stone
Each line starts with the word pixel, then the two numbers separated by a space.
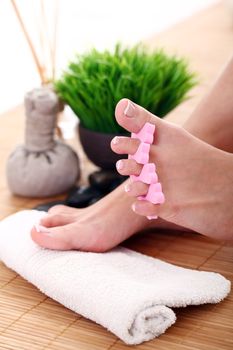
pixel 105 180
pixel 47 206
pixel 82 196
pixel 101 183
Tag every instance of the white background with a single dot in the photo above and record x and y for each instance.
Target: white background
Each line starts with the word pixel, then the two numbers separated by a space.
pixel 82 25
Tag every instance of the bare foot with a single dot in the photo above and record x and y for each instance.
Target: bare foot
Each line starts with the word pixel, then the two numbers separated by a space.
pixel 111 220
pixel 96 228
pixel 197 178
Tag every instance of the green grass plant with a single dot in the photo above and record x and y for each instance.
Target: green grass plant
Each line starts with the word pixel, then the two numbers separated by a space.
pixel 94 82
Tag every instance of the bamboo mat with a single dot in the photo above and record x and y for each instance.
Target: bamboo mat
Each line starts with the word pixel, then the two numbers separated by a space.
pixel 31 321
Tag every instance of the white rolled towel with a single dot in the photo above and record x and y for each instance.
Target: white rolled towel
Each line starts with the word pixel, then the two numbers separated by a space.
pixel 128 293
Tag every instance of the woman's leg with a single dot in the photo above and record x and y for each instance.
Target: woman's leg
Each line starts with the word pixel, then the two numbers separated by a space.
pixel 212 120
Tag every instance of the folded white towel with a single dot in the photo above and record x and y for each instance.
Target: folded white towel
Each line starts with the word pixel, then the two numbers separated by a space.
pixel 128 293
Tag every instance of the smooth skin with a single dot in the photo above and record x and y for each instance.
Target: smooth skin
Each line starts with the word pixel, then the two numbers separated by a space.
pixel 197 178
pixel 184 164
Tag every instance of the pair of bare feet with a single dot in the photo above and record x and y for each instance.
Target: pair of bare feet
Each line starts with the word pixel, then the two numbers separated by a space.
pixel 197 181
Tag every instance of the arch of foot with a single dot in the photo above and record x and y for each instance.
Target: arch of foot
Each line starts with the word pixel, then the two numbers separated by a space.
pixel 148 173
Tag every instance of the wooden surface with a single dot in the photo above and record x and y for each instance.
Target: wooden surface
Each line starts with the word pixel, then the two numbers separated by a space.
pixel 29 320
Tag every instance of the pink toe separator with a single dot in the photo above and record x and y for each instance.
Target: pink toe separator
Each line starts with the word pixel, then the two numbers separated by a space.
pixel 154 194
pixel 146 134
pixel 142 154
pixel 147 175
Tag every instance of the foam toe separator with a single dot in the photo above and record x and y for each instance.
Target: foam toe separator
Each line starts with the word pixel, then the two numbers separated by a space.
pixel 147 175
pixel 146 134
pixel 155 194
pixel 142 154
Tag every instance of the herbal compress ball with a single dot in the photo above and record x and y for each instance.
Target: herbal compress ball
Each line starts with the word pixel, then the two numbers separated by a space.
pixel 42 166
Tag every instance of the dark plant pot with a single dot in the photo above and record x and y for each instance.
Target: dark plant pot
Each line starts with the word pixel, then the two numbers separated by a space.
pixel 96 145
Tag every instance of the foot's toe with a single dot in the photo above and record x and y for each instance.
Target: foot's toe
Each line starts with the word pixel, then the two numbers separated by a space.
pixel 62 209
pixel 124 145
pixel 136 189
pixel 132 117
pixel 54 231
pixel 52 220
pixel 128 167
pixel 59 237
pixel 69 237
pixel 65 237
pixel 146 208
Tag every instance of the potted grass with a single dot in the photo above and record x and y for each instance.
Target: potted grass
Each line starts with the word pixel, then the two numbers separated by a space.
pixel 94 82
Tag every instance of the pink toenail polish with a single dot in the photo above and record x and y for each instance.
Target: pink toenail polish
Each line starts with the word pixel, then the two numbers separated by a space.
pixel 129 110
pixel 119 165
pixel 41 229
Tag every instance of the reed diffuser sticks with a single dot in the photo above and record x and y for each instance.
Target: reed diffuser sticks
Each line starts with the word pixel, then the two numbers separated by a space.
pixel 46 61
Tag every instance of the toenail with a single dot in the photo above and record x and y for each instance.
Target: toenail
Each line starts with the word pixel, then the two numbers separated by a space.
pixel 115 140
pixel 127 187
pixel 133 207
pixel 152 217
pixel 129 110
pixel 119 165
pixel 41 229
